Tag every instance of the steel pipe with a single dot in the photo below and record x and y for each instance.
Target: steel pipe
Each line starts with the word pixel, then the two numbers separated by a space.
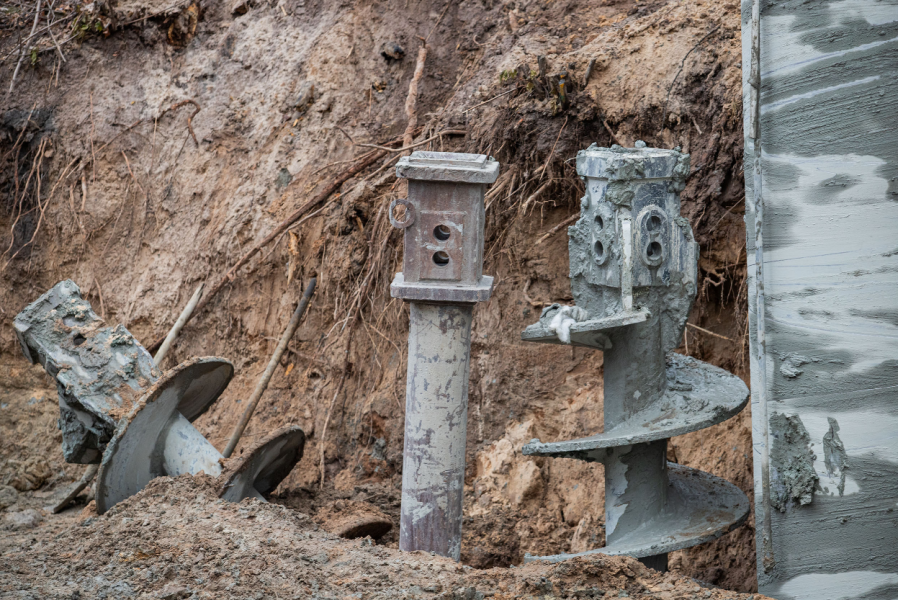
pixel 442 278
pixel 436 417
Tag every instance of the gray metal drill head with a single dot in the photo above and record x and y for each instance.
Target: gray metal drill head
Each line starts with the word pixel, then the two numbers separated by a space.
pixel 100 371
pixel 118 410
pixel 633 264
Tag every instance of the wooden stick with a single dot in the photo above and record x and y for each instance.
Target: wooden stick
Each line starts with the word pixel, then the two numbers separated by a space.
pixel 411 101
pixel 82 483
pixel 179 324
pixel 100 294
pixel 269 370
pixel 717 335
pixel 589 68
pixel 297 214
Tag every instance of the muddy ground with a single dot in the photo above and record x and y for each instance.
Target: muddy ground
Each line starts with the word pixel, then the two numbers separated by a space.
pixel 177 540
pixel 110 178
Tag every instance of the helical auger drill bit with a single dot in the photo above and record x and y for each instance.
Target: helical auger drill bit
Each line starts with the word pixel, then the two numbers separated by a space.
pixel 633 264
pixel 117 409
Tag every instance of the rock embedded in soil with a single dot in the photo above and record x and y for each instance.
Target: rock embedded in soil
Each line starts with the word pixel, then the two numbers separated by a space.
pixel 8 496
pixel 29 474
pixel 25 519
pixel 392 51
pixel 176 539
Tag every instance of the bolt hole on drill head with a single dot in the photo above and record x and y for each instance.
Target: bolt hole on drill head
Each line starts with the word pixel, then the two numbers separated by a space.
pixel 441 232
pixel 440 259
pixel 402 213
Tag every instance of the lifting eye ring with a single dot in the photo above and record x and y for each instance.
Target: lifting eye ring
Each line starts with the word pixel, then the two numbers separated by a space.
pixel 409 213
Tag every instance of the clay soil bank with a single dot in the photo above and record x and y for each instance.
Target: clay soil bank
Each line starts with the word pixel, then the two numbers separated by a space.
pixel 138 205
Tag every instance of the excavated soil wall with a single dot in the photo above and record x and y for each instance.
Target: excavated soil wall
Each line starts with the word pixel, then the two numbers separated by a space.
pixel 168 143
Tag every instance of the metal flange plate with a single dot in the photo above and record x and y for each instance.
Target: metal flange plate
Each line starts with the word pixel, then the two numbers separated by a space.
pixel 587 333
pixel 700 508
pixel 260 470
pixel 132 456
pixel 442 291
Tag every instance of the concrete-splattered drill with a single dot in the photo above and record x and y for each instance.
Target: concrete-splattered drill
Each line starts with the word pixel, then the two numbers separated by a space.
pixel 633 263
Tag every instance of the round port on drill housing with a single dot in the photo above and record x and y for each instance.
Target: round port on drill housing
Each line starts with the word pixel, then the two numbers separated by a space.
pixel 653 223
pixel 654 253
pixel 440 259
pixel 441 232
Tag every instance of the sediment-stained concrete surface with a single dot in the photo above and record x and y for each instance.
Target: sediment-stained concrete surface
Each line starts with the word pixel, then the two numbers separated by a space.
pixel 826 352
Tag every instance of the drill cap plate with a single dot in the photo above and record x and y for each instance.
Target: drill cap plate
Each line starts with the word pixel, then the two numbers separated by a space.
pixel 617 163
pixel 449 167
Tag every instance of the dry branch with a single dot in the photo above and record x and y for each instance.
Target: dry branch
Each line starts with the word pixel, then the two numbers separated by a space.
pixel 535 194
pixel 717 335
pixel 409 145
pixel 189 118
pixel 680 70
pixel 490 100
pixel 571 219
pixel 411 101
pixel 37 16
pixel 552 151
pixel 355 311
pixel 611 133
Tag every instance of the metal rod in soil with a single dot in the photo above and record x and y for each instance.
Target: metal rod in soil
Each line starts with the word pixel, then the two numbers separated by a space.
pixel 179 324
pixel 85 480
pixel 269 370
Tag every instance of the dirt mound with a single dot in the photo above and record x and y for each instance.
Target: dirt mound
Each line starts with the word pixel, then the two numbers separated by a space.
pixel 176 539
pixel 168 143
